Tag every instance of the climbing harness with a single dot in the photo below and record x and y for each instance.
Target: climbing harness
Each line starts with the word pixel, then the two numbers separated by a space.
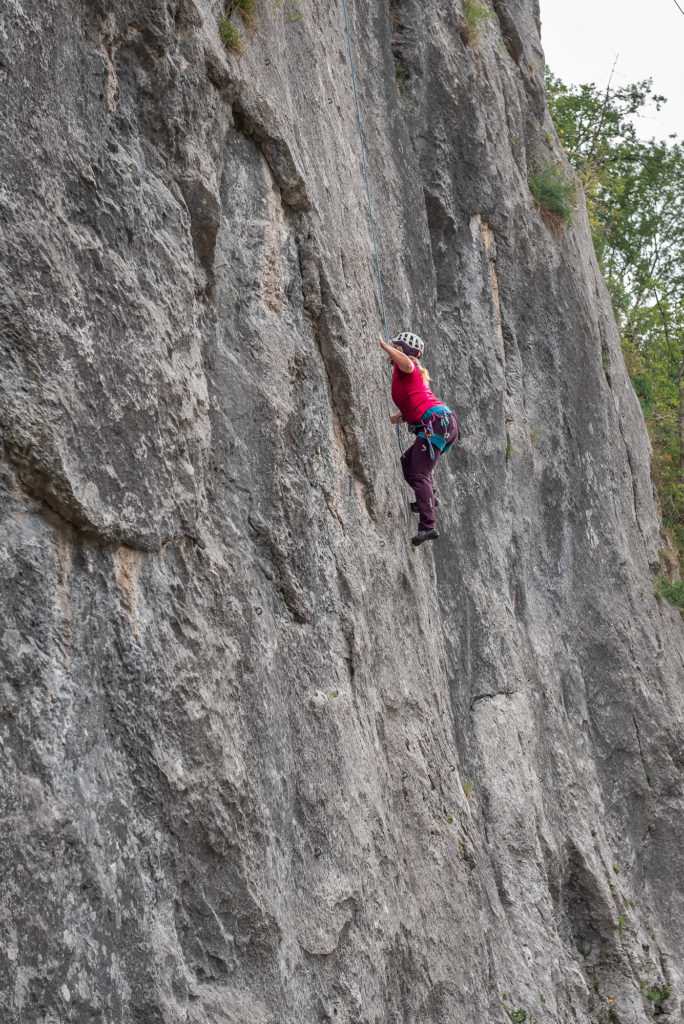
pixel 365 171
pixel 425 428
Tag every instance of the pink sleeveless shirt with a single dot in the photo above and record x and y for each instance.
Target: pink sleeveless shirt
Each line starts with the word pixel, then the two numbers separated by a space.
pixel 411 396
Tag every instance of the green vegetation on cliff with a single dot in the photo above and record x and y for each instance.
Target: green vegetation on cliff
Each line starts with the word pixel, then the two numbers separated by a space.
pixel 230 35
pixel 635 201
pixel 553 194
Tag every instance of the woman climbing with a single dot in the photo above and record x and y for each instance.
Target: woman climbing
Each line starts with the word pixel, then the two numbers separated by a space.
pixel 434 424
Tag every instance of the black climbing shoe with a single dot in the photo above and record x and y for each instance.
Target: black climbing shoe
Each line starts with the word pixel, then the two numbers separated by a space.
pixel 414 505
pixel 423 535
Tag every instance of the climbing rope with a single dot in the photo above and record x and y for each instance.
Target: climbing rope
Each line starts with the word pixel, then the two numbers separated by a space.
pixel 365 172
pixel 401 450
pixel 368 192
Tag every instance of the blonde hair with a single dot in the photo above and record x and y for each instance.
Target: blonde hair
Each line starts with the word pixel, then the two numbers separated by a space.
pixel 422 370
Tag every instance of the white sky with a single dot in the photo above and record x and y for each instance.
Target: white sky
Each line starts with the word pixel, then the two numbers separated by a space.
pixel 581 39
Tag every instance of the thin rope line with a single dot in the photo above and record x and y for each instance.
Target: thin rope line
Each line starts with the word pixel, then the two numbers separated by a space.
pixel 680 8
pixel 365 170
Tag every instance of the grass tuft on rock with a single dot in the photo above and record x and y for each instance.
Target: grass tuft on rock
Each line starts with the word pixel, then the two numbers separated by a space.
pixel 473 17
pixel 230 36
pixel 553 194
pixel 655 994
pixel 247 9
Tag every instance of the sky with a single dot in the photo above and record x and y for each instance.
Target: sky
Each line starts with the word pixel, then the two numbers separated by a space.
pixel 582 38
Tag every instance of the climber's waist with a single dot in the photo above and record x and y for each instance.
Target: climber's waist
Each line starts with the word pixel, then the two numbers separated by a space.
pixel 434 412
pixel 438 426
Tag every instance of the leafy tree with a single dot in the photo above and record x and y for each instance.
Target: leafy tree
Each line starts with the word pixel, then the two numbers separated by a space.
pixel 635 200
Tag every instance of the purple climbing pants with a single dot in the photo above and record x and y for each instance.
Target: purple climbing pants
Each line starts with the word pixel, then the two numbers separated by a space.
pixel 417 464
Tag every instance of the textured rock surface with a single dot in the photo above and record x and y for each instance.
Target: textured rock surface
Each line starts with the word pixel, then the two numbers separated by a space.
pixel 236 713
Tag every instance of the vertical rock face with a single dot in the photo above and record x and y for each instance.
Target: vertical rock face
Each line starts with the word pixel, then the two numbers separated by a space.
pixel 261 763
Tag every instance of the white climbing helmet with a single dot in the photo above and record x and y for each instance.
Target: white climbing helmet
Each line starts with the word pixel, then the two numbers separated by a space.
pixel 409 343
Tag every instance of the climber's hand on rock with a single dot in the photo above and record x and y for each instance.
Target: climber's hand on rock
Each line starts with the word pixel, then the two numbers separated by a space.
pixel 396 417
pixel 391 352
pixel 395 356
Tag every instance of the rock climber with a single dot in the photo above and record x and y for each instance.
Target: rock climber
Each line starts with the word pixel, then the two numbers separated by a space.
pixel 433 423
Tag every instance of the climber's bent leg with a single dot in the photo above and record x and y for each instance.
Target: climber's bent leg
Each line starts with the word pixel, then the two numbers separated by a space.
pixel 417 464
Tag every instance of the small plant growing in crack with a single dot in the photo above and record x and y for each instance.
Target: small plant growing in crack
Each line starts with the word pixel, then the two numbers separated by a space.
pixel 231 37
pixel 553 194
pixel 520 1016
pixel 473 17
pixel 467 787
pixel 654 993
pixel 247 8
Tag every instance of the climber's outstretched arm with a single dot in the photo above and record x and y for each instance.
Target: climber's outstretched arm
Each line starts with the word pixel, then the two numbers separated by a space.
pixel 403 362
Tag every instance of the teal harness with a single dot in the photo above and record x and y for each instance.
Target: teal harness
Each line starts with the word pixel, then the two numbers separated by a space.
pixel 424 428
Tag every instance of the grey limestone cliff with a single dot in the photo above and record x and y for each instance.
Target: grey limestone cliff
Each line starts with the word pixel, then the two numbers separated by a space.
pixel 260 763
